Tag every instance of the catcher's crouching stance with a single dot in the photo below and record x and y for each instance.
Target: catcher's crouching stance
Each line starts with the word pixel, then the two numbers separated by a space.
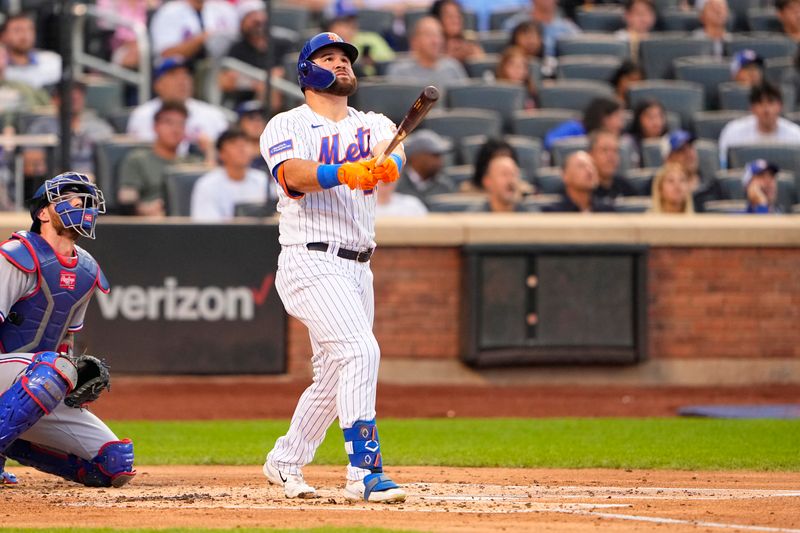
pixel 43 423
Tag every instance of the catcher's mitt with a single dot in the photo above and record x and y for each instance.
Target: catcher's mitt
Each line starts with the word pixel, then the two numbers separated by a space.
pixel 93 377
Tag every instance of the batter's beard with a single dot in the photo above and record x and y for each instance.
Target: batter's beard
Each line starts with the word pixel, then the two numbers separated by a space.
pixel 342 87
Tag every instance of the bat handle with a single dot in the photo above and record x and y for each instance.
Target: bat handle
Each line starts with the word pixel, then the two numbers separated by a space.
pixel 381 159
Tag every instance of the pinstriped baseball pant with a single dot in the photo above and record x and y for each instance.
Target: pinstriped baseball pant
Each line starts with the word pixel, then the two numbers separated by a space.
pixel 334 298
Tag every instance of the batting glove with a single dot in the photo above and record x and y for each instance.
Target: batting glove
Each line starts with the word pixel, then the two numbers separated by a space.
pixel 357 175
pixel 388 171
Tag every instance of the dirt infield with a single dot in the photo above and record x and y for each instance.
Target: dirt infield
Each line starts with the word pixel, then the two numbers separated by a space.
pixel 441 499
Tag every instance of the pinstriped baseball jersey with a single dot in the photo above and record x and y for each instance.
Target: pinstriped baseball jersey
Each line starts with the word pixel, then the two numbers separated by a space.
pixel 336 215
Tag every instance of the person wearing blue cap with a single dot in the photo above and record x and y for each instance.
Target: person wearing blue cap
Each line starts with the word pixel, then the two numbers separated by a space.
pixel 683 152
pixel 761 186
pixel 747 68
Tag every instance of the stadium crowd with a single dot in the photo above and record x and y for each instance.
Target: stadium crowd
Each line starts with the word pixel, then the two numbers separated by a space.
pixel 665 106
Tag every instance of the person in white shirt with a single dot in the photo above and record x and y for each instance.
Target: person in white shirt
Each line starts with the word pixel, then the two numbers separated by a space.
pixel 395 204
pixel 173 83
pixel 35 68
pixel 217 192
pixel 763 125
pixel 194 29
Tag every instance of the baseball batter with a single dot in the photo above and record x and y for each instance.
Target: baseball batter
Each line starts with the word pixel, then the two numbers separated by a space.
pixel 322 154
pixel 46 282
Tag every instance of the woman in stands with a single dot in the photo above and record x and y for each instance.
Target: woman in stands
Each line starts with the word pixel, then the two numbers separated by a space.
pixel 514 67
pixel 671 191
pixel 649 123
pixel 459 43
pixel 528 36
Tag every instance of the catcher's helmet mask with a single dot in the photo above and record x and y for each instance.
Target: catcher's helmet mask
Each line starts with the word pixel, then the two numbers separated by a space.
pixel 316 77
pixel 61 191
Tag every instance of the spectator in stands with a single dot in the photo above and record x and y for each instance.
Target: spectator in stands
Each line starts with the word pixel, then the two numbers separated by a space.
pixel 763 125
pixel 427 63
pixel 194 29
pixel 671 191
pixel 391 203
pixel 459 43
pixel 497 173
pixel 252 121
pixel 234 181
pixel 601 113
pixel 252 48
pixel 714 18
pixel 34 170
pixel 528 36
pixel 580 181
pixel 649 123
pixel 626 75
pixel 124 48
pixel 372 47
pixel 142 172
pixel 604 151
pixel 16 96
pixel 789 15
pixel 760 185
pixel 514 67
pixel 26 64
pixel 173 82
pixel 683 152
pixel 640 16
pixel 553 25
pixel 87 128
pixel 747 68
pixel 422 174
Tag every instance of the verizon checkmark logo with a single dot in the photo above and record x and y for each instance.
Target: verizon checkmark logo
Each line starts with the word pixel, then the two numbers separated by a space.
pixel 260 294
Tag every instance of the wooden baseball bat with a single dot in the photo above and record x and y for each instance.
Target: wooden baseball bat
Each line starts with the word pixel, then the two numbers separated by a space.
pixel 419 109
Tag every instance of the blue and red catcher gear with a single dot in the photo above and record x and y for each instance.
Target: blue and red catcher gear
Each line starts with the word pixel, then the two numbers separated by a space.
pixel 61 192
pixel 313 76
pixel 40 321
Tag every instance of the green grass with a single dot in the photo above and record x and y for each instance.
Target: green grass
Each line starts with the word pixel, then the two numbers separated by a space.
pixel 675 443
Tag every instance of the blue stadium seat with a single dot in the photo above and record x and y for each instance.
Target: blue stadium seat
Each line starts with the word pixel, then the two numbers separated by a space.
pixel 390 98
pixel 375 20
pixel 708 71
pixel 459 123
pixel 641 178
pixel 536 123
pixel 107 158
pixel 680 20
pixel 763 19
pixel 787 157
pixel 293 17
pixel 592 44
pixel 504 98
pixel 455 202
pixel 562 148
pixel 493 42
pixel 682 97
pixel 549 180
pixel 498 18
pixel 600 18
pixel 776 68
pixel 459 173
pixel 478 66
pixel 659 50
pixel 709 124
pixel 707 158
pixel 591 67
pixel 572 94
pixel 179 181
pixel 767 45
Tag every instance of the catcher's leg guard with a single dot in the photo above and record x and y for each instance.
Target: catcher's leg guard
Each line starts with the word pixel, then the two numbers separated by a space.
pixel 111 467
pixel 363 447
pixel 40 389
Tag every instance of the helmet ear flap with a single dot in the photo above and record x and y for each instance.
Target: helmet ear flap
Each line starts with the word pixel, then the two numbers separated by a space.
pixel 311 75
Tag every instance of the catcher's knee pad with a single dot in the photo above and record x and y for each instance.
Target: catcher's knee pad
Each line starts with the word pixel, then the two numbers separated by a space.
pixel 362 445
pixel 41 388
pixel 111 467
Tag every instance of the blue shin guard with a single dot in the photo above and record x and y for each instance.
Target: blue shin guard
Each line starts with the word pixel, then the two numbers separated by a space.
pixel 41 388
pixel 111 467
pixel 363 446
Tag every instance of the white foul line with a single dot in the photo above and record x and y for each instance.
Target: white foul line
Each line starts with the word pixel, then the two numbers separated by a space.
pixel 659 520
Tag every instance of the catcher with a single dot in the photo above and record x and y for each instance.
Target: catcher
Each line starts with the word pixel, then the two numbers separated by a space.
pixel 46 282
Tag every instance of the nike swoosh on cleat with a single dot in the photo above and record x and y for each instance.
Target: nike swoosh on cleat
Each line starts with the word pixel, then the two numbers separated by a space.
pixel 280 475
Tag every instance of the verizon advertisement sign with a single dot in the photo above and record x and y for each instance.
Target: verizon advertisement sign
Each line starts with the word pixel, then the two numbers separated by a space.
pixel 187 299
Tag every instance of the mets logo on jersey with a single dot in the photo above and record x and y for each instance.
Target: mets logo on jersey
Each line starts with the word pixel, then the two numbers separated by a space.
pixel 66 280
pixel 329 149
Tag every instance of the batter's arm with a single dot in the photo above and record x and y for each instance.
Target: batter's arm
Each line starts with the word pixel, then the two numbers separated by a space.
pixel 299 175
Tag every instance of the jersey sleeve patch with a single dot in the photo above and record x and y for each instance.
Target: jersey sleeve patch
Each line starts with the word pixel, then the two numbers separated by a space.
pixel 280 147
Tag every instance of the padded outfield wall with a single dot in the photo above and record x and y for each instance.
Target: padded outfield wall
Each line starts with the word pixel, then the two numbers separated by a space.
pixel 722 296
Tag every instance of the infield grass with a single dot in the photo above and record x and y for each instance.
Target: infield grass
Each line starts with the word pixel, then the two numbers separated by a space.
pixel 649 443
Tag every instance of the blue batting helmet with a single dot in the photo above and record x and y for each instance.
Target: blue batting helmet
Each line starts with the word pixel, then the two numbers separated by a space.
pixel 61 192
pixel 309 74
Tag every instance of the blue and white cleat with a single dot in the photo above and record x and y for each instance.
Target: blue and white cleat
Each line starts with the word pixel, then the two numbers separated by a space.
pixel 374 488
pixel 7 479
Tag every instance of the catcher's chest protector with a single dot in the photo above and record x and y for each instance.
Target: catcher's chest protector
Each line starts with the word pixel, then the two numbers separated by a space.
pixel 40 321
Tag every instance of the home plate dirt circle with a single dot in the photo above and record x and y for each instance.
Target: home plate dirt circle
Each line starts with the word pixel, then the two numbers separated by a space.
pixel 439 499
